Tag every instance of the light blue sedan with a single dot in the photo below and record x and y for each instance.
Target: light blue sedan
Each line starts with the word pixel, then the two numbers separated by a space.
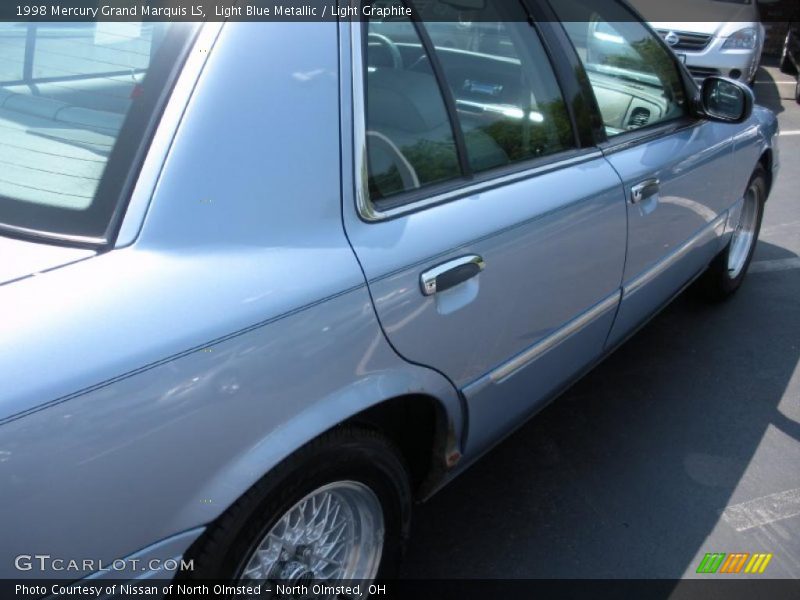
pixel 265 285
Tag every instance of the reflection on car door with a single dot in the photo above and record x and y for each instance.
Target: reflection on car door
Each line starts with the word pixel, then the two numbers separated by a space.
pixel 675 229
pixel 674 167
pixel 492 245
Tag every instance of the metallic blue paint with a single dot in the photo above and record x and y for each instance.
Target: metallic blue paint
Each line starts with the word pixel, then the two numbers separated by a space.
pixel 146 388
pixel 178 367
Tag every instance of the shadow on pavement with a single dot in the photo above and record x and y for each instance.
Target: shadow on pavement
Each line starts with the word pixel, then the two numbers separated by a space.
pixel 765 251
pixel 626 474
pixel 767 92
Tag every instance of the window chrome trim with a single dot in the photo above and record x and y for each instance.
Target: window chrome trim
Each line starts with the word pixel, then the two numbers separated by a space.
pixel 641 280
pixel 367 210
pixel 361 175
pixel 528 356
pixel 649 133
pixel 34 235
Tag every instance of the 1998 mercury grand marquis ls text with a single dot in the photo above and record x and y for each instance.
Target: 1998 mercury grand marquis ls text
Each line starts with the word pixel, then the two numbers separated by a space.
pixel 266 284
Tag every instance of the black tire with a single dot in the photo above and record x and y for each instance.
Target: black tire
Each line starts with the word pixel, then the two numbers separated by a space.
pixel 787 66
pixel 717 284
pixel 797 91
pixel 343 454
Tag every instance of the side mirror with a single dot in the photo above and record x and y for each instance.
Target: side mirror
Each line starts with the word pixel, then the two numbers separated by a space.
pixel 726 100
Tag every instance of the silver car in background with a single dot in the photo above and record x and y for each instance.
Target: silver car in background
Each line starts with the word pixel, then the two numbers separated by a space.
pixel 727 49
pixel 729 44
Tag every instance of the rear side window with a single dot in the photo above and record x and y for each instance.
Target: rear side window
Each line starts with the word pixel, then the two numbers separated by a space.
pixel 508 101
pixel 410 141
pixel 448 97
pixel 76 102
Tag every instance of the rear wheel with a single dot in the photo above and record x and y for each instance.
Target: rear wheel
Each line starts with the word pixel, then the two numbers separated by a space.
pixel 339 509
pixel 726 273
pixel 334 532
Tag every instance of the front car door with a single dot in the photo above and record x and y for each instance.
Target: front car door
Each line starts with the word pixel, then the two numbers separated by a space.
pixel 491 235
pixel 675 167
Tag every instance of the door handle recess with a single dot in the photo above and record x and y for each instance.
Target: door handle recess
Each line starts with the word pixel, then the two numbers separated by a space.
pixel 644 190
pixel 450 274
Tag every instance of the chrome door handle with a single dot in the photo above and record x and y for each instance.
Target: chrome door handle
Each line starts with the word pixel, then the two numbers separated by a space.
pixel 644 190
pixel 450 274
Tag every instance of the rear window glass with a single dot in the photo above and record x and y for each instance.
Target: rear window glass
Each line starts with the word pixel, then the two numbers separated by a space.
pixel 76 103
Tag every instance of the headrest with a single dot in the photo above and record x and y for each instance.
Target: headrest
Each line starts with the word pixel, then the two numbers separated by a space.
pixel 404 100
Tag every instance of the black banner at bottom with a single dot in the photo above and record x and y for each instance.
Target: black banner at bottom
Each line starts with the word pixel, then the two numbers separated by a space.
pixel 465 589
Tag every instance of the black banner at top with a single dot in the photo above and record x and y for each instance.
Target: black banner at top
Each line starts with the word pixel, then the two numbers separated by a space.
pixel 319 10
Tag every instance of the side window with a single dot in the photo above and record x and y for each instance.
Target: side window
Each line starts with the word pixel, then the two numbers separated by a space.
pixel 509 105
pixel 635 79
pixel 410 142
pixel 75 100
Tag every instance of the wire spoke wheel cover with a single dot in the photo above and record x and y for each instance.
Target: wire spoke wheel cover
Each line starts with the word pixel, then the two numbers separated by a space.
pixel 334 533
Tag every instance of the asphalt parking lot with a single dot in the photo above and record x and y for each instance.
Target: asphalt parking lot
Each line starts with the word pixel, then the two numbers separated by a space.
pixel 683 442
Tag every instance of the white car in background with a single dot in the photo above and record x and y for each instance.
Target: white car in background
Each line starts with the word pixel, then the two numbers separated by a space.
pixel 730 49
pixel 726 39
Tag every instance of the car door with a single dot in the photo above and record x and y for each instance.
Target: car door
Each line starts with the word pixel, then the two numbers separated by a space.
pixel 675 168
pixel 492 239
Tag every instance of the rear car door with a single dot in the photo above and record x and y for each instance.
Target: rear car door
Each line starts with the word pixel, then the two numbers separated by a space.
pixel 675 167
pixel 492 236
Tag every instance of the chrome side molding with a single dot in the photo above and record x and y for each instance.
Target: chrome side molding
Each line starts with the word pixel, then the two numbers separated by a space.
pixel 554 339
pixel 638 282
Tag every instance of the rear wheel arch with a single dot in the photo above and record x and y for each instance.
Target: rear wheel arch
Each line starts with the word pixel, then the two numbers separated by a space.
pixel 346 456
pixel 418 424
